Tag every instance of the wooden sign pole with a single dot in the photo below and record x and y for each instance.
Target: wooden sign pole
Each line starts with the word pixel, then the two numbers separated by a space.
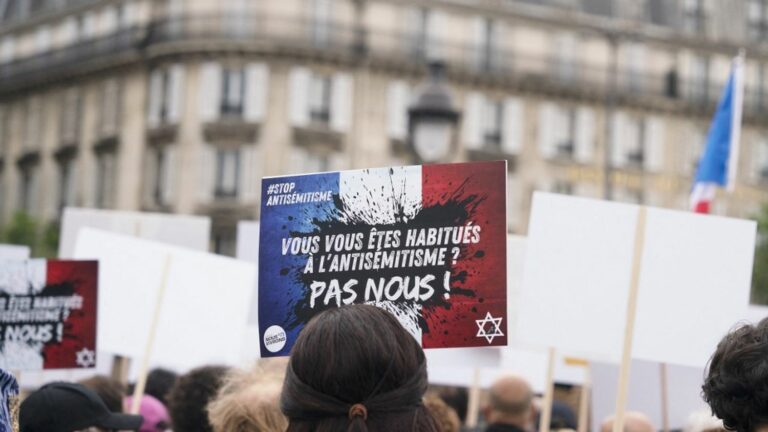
pixel 545 416
pixel 141 382
pixel 584 401
pixel 473 402
pixel 664 397
pixel 629 330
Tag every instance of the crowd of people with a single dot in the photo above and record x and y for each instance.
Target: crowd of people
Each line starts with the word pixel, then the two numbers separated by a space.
pixel 356 368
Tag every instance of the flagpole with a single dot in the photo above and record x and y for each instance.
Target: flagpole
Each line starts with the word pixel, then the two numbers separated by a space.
pixel 738 100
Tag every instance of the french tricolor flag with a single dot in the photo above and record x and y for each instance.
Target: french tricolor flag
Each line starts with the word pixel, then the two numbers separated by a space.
pixel 718 164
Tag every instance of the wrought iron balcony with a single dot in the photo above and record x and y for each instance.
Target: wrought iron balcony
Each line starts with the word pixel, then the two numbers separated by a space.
pixel 335 41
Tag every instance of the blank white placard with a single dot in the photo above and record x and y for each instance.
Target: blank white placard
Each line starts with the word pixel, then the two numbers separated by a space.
pixel 14 252
pixel 191 232
pixel 694 280
pixel 205 308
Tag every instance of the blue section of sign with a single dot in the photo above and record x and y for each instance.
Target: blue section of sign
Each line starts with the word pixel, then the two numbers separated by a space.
pixel 288 205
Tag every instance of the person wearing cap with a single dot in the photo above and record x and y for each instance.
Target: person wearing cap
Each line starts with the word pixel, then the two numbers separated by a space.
pixel 67 407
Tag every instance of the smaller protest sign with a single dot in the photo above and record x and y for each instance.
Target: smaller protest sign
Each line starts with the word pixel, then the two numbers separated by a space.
pixel 14 252
pixel 48 314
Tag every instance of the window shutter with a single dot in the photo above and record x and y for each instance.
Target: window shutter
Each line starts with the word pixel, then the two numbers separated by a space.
pixel 512 128
pixel 155 97
pixel 210 91
pixel 547 130
pixel 175 93
pixel 654 144
pixel 207 160
pixel 585 135
pixel 435 32
pixel 472 127
pixel 249 173
pixel 341 102
pixel 299 92
pixel 618 140
pixel 256 91
pixel 397 109
pixel 169 173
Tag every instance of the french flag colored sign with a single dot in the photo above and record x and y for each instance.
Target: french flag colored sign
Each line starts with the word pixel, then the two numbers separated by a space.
pixel 426 243
pixel 48 314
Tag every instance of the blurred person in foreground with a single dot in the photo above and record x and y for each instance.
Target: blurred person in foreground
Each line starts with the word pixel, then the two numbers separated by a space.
pixel 736 386
pixel 445 416
pixel 110 390
pixel 189 398
pixel 68 407
pixel 159 384
pixel 355 368
pixel 249 401
pixel 633 422
pixel 703 421
pixel 510 407
pixel 156 418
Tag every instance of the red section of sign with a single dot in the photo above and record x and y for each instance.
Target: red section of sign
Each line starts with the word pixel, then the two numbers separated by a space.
pixel 79 329
pixel 481 267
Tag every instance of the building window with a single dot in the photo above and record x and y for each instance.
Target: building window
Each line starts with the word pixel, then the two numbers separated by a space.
pixel 227 173
pixel 492 124
pixel 66 183
pixel 321 22
pixel 487 55
pixel 418 33
pixel 565 48
pixel 106 166
pixel 70 117
pixel 562 187
pixel 28 188
pixel 699 79
pixel 757 19
pixel 694 16
pixel 320 99
pixel 32 125
pixel 165 95
pixel 232 92
pixel 159 175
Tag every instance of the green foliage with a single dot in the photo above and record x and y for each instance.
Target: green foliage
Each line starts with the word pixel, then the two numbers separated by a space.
pixel 24 229
pixel 760 272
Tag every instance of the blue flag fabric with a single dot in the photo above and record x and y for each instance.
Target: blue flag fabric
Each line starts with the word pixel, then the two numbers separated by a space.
pixel 713 166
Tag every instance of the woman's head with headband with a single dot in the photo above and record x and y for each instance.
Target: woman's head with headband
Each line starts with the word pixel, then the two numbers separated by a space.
pixel 356 368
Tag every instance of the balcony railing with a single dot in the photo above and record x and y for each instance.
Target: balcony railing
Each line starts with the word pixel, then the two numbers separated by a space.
pixel 290 36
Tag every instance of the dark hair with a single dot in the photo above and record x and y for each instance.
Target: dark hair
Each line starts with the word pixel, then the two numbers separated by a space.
pixel 109 390
pixel 189 398
pixel 355 368
pixel 736 387
pixel 159 384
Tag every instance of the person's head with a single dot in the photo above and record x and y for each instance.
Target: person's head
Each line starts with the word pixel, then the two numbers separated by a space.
pixel 156 418
pixel 456 398
pixel 111 391
pixel 189 398
pixel 510 402
pixel 159 383
pixel 736 386
pixel 445 416
pixel 356 368
pixel 67 407
pixel 249 401
pixel 633 422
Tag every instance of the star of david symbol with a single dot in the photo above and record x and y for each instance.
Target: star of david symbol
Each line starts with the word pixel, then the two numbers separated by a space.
pixel 489 327
pixel 85 358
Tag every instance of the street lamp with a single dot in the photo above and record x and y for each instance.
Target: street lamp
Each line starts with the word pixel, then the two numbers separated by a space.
pixel 432 120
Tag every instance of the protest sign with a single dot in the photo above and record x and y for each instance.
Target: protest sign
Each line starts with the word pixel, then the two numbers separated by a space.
pixel 192 232
pixel 694 280
pixel 203 311
pixel 425 243
pixel 13 252
pixel 48 314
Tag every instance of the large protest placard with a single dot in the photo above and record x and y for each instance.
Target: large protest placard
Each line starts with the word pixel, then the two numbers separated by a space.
pixel 694 280
pixel 203 302
pixel 425 243
pixel 14 252
pixel 48 314
pixel 191 232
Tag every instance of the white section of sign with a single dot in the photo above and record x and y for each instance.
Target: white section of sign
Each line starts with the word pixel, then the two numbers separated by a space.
pixel 683 392
pixel 694 280
pixel 191 232
pixel 248 250
pixel 13 252
pixel 203 314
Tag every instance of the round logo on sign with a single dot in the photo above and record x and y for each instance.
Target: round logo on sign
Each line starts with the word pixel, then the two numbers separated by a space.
pixel 274 338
